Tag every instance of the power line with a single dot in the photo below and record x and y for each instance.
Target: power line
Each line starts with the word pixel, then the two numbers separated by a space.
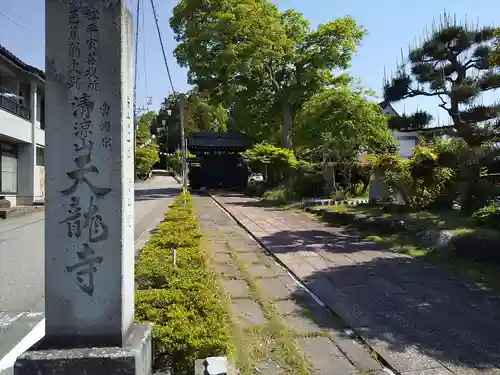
pixel 138 10
pixel 14 21
pixel 145 57
pixel 162 47
pixel 20 17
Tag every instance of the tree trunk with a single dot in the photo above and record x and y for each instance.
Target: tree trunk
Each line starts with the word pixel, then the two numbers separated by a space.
pixel 366 184
pixel 468 179
pixel 287 123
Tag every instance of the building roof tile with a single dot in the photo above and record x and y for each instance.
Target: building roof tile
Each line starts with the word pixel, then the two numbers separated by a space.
pixel 19 63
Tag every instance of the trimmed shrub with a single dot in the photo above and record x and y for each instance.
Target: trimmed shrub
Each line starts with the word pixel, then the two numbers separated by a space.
pixel 280 194
pixel 190 319
pixel 488 216
pixel 480 247
pixel 145 159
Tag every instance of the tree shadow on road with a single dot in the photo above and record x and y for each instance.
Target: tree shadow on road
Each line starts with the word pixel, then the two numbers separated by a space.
pixel 402 306
pixel 155 194
pixel 252 202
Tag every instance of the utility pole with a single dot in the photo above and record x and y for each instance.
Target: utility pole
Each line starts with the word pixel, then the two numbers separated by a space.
pixel 183 145
pixel 137 13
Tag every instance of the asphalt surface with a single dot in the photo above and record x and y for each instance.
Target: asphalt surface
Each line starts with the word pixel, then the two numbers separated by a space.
pixel 22 256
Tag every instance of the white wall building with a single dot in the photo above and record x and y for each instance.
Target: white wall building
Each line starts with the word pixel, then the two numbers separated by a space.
pixel 406 140
pixel 22 134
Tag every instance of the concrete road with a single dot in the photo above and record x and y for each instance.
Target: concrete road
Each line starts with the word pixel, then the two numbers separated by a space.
pixel 22 258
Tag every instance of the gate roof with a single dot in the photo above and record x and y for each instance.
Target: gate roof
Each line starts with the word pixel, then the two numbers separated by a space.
pixel 213 141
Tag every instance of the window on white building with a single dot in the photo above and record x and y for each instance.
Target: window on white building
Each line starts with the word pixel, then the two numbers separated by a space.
pixel 40 156
pixel 8 169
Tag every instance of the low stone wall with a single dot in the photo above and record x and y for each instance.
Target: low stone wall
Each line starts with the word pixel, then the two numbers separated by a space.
pixel 331 202
pixel 381 225
pixel 478 247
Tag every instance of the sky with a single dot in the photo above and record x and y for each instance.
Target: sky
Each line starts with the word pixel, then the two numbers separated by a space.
pixel 393 26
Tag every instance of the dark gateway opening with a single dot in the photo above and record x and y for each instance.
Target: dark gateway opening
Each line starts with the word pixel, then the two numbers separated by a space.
pixel 217 163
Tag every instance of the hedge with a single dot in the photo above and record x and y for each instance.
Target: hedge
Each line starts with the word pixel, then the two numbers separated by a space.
pixel 190 319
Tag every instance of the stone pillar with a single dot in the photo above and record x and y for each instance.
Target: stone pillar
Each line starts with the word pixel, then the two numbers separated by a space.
pixel 89 230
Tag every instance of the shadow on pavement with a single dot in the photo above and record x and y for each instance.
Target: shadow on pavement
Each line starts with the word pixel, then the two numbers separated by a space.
pixel 339 242
pixel 153 194
pixel 404 307
pixel 161 172
pixel 266 205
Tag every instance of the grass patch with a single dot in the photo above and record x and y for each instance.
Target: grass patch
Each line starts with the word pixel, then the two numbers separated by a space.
pixel 270 341
pixel 183 301
pixel 420 220
pixel 483 273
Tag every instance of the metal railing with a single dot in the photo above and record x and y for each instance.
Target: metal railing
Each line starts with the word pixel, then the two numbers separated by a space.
pixel 14 107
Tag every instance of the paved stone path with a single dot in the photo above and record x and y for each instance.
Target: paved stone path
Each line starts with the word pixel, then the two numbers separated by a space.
pixel 415 316
pixel 264 298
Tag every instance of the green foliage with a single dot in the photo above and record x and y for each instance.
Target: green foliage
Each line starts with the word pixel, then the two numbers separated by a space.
pixel 308 180
pixel 280 161
pixel 281 158
pixel 471 165
pixel 203 115
pixel 280 193
pixel 175 161
pixel 183 301
pixel 258 61
pixel 419 180
pixel 495 55
pixel 146 152
pixel 255 190
pixel 347 122
pixel 144 124
pixel 302 178
pixel 395 171
pixel 452 65
pixel 488 216
pixel 145 159
pixel 200 114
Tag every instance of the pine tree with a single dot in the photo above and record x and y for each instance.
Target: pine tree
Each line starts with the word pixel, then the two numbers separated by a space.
pixel 452 65
pixel 495 56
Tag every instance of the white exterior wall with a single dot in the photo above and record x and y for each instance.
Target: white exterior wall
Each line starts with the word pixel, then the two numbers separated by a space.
pixel 406 140
pixel 39 136
pixel 39 184
pixel 14 127
pixel 27 134
pixel 25 174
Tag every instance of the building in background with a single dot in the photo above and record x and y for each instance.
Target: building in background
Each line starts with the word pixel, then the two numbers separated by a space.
pixel 406 140
pixel 22 131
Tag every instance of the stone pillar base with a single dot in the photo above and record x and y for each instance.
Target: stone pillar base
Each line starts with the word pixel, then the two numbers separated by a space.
pixel 134 358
